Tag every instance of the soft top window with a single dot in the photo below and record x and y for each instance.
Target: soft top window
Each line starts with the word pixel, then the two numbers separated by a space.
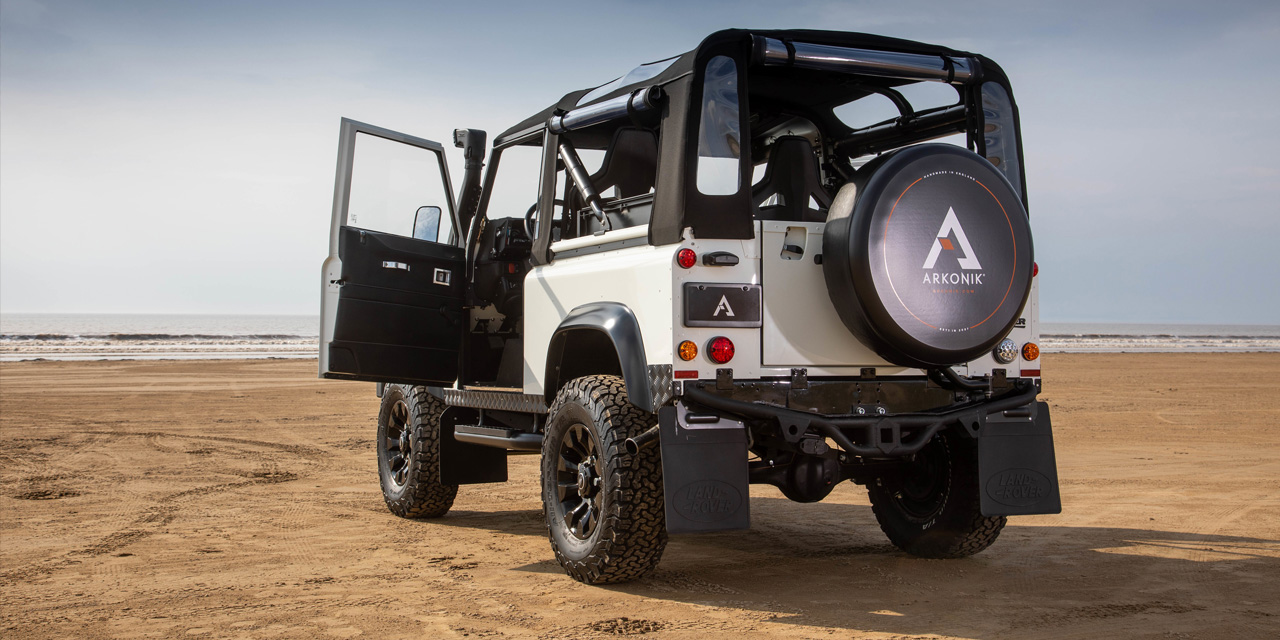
pixel 719 134
pixel 634 76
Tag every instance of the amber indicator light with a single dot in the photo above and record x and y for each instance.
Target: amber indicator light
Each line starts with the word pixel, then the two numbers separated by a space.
pixel 688 350
pixel 1030 351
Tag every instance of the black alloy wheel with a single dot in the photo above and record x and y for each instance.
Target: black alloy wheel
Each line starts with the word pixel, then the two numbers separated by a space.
pixel 928 478
pixel 578 478
pixel 935 510
pixel 408 446
pixel 603 505
pixel 398 443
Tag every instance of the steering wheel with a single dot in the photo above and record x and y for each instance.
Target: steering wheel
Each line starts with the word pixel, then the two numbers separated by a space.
pixel 531 216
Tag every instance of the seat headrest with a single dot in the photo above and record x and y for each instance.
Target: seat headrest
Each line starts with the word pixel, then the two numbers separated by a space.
pixel 792 173
pixel 630 163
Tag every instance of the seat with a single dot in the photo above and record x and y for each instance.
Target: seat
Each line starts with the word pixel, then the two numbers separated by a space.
pixel 630 166
pixel 792 175
pixel 630 163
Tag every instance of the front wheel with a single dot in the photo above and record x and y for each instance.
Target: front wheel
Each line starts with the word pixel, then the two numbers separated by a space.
pixel 409 453
pixel 603 506
pixel 934 510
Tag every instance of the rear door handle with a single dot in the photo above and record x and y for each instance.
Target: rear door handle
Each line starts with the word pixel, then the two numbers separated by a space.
pixel 387 264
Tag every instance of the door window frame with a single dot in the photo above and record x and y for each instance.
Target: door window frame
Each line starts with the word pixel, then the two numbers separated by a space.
pixel 346 162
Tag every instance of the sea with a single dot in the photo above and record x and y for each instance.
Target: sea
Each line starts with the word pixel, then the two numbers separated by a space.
pixel 110 336
pixel 50 336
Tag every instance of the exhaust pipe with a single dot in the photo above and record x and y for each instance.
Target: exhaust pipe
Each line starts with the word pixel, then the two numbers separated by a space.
pixel 643 441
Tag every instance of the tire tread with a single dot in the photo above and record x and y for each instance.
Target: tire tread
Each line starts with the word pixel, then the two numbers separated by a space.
pixel 633 531
pixel 424 495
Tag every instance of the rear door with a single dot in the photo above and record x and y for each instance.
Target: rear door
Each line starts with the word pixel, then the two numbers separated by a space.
pixel 393 284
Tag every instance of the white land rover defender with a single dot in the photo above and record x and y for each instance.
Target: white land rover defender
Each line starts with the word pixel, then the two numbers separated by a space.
pixel 752 287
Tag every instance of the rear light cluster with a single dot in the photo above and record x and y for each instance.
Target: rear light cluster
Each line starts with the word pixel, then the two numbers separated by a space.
pixel 1030 351
pixel 686 258
pixel 688 350
pixel 720 350
pixel 1006 351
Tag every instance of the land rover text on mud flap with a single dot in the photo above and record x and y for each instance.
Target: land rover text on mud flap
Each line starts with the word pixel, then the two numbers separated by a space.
pixel 784 257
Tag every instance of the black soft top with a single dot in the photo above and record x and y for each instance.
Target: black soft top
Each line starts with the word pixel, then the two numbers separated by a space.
pixel 684 64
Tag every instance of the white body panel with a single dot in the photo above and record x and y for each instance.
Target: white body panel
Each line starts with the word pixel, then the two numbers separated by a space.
pixel 638 277
pixel 804 328
pixel 749 344
pixel 801 327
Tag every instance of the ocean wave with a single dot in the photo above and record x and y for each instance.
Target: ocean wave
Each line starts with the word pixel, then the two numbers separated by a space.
pixel 1158 336
pixel 139 337
pixel 1155 343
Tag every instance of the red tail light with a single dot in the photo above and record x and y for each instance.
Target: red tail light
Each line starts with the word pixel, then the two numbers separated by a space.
pixel 720 350
pixel 1035 269
pixel 686 258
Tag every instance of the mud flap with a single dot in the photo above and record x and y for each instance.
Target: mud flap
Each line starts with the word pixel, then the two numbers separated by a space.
pixel 704 473
pixel 1016 465
pixel 463 462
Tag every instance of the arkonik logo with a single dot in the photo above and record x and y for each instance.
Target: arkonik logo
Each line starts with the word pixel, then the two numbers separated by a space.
pixel 951 225
pixel 723 306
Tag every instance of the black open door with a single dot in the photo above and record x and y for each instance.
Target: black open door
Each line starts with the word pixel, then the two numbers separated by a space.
pixel 394 283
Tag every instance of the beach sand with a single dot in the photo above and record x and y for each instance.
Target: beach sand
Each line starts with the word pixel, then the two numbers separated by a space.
pixel 240 499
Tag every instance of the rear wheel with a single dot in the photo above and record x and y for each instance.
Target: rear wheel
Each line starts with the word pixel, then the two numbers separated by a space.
pixel 934 511
pixel 409 453
pixel 603 506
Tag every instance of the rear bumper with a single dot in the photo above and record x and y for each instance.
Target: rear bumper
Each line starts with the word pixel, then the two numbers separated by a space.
pixel 879 434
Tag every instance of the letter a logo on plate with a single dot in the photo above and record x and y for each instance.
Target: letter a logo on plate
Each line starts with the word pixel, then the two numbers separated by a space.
pixel 723 306
pixel 951 225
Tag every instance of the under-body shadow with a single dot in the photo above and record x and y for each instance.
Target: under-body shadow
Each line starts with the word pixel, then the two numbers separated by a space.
pixel 828 564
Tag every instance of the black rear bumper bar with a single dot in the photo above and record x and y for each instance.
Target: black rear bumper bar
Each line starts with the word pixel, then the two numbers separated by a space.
pixel 877 436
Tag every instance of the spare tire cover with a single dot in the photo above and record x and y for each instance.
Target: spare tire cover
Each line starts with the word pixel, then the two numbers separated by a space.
pixel 930 264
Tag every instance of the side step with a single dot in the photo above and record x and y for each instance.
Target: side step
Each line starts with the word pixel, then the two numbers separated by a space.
pixel 498 437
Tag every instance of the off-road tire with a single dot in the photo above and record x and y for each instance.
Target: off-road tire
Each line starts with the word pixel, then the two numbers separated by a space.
pixel 948 525
pixel 421 495
pixel 631 533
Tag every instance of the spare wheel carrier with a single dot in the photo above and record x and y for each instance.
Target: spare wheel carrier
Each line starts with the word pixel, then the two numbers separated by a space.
pixel 927 255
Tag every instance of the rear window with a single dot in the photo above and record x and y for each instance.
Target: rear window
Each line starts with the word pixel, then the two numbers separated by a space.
pixel 719 134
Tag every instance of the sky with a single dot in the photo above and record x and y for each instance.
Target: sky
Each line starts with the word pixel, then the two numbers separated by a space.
pixel 178 157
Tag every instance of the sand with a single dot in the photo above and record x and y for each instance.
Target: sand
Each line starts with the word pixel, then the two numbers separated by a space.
pixel 240 499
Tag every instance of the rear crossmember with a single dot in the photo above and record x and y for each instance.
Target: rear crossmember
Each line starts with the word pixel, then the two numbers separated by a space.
pixel 889 435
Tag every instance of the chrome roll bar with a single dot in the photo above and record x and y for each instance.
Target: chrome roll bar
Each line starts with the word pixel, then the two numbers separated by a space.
pixel 885 64
pixel 637 101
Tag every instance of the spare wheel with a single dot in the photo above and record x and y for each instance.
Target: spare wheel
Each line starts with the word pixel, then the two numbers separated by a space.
pixel 927 255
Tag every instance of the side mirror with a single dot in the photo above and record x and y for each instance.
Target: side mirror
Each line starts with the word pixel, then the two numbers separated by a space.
pixel 426 223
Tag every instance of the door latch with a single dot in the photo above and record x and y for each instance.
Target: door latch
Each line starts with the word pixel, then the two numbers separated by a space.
pixel 387 264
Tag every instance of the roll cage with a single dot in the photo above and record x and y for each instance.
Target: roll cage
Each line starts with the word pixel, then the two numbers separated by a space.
pixel 783 78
